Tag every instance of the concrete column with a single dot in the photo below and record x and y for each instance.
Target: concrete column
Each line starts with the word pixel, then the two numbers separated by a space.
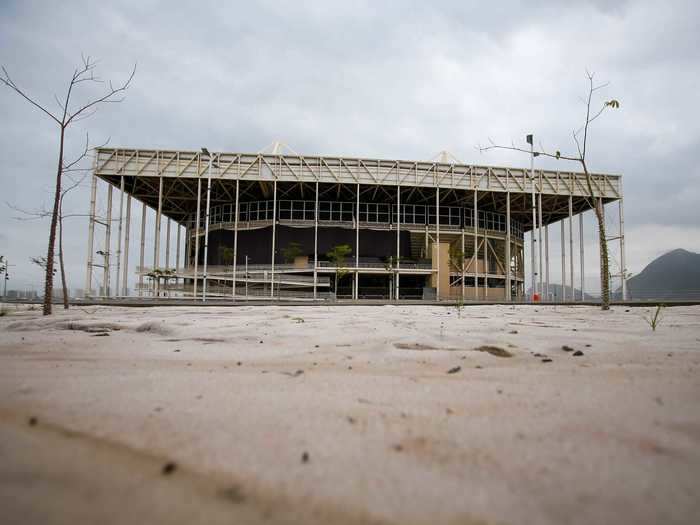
pixel 546 262
pixel 571 247
pixel 125 276
pixel 356 291
pixel 475 257
pixel 117 287
pixel 197 221
pixel 437 237
pixel 623 270
pixel 463 259
pixel 91 237
pixel 108 242
pixel 167 243
pixel 159 211
pixel 398 239
pixel 580 245
pixel 235 239
pixel 563 263
pixel 206 231
pixel 316 242
pixel 274 231
pixel 143 245
pixel 508 295
pixel 539 240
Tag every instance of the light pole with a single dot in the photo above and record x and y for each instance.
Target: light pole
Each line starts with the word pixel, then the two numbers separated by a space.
pixel 530 141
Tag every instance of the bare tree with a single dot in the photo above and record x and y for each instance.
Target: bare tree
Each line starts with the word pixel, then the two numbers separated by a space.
pixel 67 115
pixel 580 137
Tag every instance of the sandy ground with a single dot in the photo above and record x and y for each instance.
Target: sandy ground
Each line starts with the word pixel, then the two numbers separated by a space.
pixel 348 415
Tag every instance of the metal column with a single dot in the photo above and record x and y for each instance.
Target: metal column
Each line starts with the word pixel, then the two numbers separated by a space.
pixel 539 239
pixel 274 231
pixel 475 257
pixel 437 241
pixel 546 262
pixel 398 239
pixel 167 244
pixel 580 245
pixel 156 248
pixel 127 238
pixel 91 237
pixel 356 291
pixel 623 269
pixel 563 263
pixel 206 231
pixel 534 218
pixel 462 269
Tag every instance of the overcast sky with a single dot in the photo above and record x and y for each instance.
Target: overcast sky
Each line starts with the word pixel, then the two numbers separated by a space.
pixel 377 79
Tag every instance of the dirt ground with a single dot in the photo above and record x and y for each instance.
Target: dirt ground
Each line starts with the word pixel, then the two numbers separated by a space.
pixel 355 414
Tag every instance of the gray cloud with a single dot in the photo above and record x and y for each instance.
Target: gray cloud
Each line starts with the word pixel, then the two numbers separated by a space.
pixel 386 79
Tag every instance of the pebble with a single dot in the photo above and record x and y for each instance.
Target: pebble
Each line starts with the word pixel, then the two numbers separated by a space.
pixel 454 370
pixel 577 353
pixel 33 421
pixel 567 348
pixel 169 468
pixel 305 457
pixel 546 360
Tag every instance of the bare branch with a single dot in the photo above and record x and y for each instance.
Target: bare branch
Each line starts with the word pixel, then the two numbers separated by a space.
pixel 7 80
pixel 108 97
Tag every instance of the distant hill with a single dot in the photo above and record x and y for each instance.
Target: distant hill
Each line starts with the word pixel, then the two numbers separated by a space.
pixel 555 293
pixel 674 275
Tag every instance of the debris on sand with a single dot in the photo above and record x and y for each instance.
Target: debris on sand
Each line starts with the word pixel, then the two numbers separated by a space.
pixel 546 360
pixel 415 346
pixel 567 348
pixel 294 374
pixel 494 350
pixel 454 370
pixel 33 421
pixel 305 457
pixel 169 468
pixel 577 353
pixel 234 494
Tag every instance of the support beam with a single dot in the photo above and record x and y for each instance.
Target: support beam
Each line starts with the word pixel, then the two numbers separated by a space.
pixel 274 231
pixel 398 239
pixel 463 265
pixel 509 295
pixel 178 234
pixel 563 263
pixel 623 269
pixel 91 237
pixel 539 243
pixel 316 242
pixel 235 239
pixel 475 257
pixel 143 245
pixel 437 238
pixel 546 262
pixel 108 242
pixel 127 239
pixel 356 291
pixel 167 244
pixel 117 288
pixel 571 247
pixel 159 211
pixel 206 231
pixel 581 260
pixel 196 237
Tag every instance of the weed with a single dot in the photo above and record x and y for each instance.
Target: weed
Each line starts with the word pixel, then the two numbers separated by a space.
pixel 654 318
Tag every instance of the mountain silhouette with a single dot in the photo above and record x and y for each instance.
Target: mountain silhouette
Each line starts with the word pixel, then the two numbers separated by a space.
pixel 673 275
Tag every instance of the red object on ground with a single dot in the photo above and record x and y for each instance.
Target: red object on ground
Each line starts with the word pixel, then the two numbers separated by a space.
pixel 536 297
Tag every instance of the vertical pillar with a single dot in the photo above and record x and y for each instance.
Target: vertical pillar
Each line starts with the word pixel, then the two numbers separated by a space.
pixel 563 262
pixel 235 239
pixel 546 262
pixel 475 257
pixel 316 242
pixel 117 287
pixel 108 241
pixel 601 207
pixel 462 269
pixel 206 232
pixel 274 231
pixel 437 239
pixel 539 240
pixel 623 269
pixel 398 239
pixel 127 238
pixel 356 291
pixel 91 237
pixel 167 244
pixel 198 220
pixel 571 247
pixel 486 263
pixel 533 263
pixel 143 245
pixel 580 245
pixel 156 247
pixel 509 295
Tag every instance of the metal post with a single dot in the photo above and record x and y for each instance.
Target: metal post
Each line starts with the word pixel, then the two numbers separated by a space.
pixel 235 241
pixel 571 246
pixel 486 264
pixel 167 244
pixel 623 269
pixel 125 277
pixel 159 211
pixel 108 243
pixel 475 257
pixel 509 295
pixel 463 276
pixel 580 245
pixel 91 237
pixel 196 237
pixel 117 288
pixel 246 277
pixel 357 243
pixel 398 239
pixel 143 245
pixel 546 262
pixel 315 246
pixel 274 231
pixel 206 232
pixel 563 263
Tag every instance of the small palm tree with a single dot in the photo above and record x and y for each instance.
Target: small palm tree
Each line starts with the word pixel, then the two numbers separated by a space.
pixel 337 255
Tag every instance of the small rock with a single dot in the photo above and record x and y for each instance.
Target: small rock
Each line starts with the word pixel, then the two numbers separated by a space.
pixel 577 353
pixel 567 348
pixel 588 346
pixel 233 494
pixel 546 360
pixel 349 368
pixel 169 468
pixel 315 346
pixel 305 457
pixel 537 354
pixel 351 420
pixel 454 370
pixel 239 363
pixel 513 332
pixel 449 411
pixel 626 310
pixel 261 342
pixel 499 391
pixel 176 350
pixel 478 366
pixel 33 421
pixel 398 447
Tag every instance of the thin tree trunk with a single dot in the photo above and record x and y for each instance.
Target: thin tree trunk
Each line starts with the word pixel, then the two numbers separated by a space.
pixel 48 282
pixel 602 240
pixel 60 258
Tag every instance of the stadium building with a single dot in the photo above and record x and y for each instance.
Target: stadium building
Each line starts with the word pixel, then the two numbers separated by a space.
pixel 270 225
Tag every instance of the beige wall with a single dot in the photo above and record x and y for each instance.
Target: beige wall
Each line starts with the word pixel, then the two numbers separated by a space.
pixel 494 294
pixel 444 270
